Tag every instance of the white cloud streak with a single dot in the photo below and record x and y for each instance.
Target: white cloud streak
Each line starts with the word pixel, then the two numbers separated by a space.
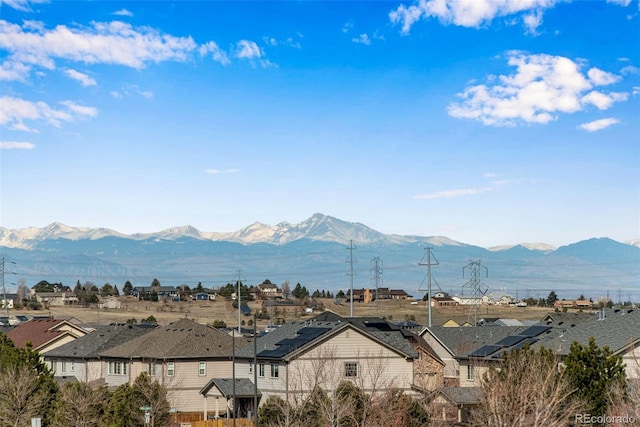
pixel 22 5
pixel 32 45
pixel 16 145
pixel 450 194
pixel 123 12
pixel 216 53
pixel 246 49
pixel 542 87
pixel 15 111
pixel 362 39
pixel 597 125
pixel 84 79
pixel 221 171
pixel 470 13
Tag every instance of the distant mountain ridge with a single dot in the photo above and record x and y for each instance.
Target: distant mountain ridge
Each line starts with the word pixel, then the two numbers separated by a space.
pixel 313 252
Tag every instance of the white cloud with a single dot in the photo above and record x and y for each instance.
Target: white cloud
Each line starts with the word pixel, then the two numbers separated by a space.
pixel 289 41
pixel 542 87
pixel 32 45
pixel 15 111
pixel 22 5
pixel 347 27
pixel 449 194
pixel 16 145
pixel 217 54
pixel 123 12
pixel 128 90
pixel 602 78
pixel 84 79
pixel 629 69
pixel 597 125
pixel 363 39
pixel 247 49
pixel 603 101
pixel 221 171
pixel 12 70
pixel 636 90
pixel 470 13
pixel 623 3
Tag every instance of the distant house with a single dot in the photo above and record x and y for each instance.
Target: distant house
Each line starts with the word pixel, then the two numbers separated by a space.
pixel 106 303
pixel 443 302
pixel 566 303
pixel 57 298
pixel 9 302
pixel 155 293
pixel 361 295
pixel 461 300
pixel 44 335
pixel 267 290
pixel 284 306
pixel 203 296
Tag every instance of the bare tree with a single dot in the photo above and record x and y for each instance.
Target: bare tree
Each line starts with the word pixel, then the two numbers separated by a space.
pixel 80 405
pixel 286 289
pixel 527 389
pixel 20 396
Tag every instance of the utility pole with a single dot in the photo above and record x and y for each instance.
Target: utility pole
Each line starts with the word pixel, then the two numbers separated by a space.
pixel 429 264
pixel 351 261
pixel 239 298
pixel 5 303
pixel 376 271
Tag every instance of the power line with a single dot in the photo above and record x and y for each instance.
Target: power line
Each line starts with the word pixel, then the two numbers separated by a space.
pixel 429 264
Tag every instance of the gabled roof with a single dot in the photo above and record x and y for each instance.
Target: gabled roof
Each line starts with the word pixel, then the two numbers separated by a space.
pixel 184 339
pixel 616 329
pixel 461 341
pixel 40 332
pixel 244 387
pixel 105 337
pixel 293 337
pixel 459 396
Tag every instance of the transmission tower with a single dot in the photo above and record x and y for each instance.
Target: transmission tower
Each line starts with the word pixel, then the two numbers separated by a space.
pixel 477 286
pixel 428 255
pixel 351 273
pixel 376 277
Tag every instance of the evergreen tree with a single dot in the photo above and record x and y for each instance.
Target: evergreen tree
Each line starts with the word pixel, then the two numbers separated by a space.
pixel 127 288
pixel 593 372
pixel 552 298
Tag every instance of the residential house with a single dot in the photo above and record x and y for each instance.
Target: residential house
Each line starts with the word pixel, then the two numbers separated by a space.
pixel 399 294
pixel 203 296
pixel 57 298
pixel 155 293
pixel 462 300
pixel 8 301
pixel 109 303
pixel 183 356
pixel 443 302
pixel 219 393
pixel 567 303
pixel 282 307
pixel 80 360
pixel 498 298
pixel 373 353
pixel 618 329
pixel 361 295
pixel 44 335
pixel 454 405
pixel 267 290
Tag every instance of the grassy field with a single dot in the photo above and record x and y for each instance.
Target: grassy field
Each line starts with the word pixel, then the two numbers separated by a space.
pixel 209 311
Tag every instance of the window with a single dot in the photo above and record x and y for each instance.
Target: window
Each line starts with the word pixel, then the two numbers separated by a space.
pixel 202 369
pixel 251 367
pixel 351 369
pixel 52 366
pixel 151 369
pixel 274 370
pixel 470 373
pixel 73 369
pixel 63 368
pixel 171 369
pixel 117 368
pixel 261 369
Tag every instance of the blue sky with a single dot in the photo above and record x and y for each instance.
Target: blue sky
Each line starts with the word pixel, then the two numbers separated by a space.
pixel 489 122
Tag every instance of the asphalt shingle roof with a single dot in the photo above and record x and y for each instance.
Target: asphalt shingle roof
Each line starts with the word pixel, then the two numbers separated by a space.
pixel 244 387
pixel 463 341
pixel 103 338
pixel 183 339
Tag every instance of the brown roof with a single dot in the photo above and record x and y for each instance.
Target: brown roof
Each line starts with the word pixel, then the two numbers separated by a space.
pixel 37 331
pixel 184 339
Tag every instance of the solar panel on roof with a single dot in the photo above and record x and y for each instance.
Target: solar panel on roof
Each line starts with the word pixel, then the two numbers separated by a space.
pixel 533 331
pixel 510 340
pixel 484 351
pixel 525 342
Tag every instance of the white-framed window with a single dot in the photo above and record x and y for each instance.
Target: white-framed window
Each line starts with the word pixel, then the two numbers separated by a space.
pixel 171 369
pixel 117 368
pixel 151 369
pixel 63 367
pixel 275 370
pixel 73 367
pixel 202 369
pixel 251 367
pixel 52 366
pixel 470 373
pixel 351 369
pixel 261 370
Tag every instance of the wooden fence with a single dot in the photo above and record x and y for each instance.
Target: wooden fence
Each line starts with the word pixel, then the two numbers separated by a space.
pixel 240 422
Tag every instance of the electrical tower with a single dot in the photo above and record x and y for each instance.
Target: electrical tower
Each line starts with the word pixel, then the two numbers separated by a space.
pixel 351 273
pixel 477 286
pixel 429 277
pixel 376 277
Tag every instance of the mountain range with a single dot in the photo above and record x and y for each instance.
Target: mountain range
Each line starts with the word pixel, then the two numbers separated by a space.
pixel 316 253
